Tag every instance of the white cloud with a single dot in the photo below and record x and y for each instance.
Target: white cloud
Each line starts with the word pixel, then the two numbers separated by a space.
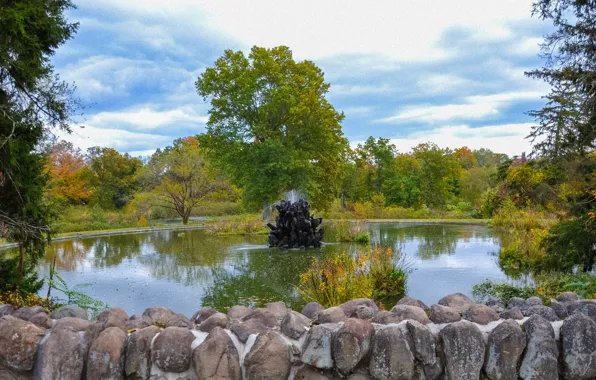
pixel 146 117
pixel 476 107
pixel 357 111
pixel 118 139
pixel 528 47
pixel 358 89
pixel 405 31
pixel 505 138
pixel 443 83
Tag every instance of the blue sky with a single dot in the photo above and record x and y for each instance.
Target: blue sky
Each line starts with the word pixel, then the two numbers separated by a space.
pixel 449 71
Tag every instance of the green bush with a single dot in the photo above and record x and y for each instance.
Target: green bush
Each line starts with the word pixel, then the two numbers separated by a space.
pixel 345 230
pixel 501 290
pixel 363 238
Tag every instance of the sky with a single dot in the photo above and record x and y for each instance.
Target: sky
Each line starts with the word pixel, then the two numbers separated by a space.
pixel 446 71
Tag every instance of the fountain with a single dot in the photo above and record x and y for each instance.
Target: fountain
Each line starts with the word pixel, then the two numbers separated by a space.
pixel 295 227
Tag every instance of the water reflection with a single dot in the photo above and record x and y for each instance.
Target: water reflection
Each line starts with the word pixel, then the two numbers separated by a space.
pixel 184 270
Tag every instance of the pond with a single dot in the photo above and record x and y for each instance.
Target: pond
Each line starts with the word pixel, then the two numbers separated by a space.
pixel 185 270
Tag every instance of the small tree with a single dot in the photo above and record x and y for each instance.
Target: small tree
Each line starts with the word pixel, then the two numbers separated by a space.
pixel 180 178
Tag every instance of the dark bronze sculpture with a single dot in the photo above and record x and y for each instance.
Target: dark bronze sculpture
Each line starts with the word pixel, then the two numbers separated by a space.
pixel 295 227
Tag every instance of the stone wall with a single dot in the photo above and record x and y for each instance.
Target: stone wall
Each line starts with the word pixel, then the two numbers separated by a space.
pixel 456 339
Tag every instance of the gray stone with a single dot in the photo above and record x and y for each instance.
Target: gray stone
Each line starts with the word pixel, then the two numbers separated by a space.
pixel 294 325
pixel 543 311
pixel 481 314
pixel 425 349
pixel 217 357
pixel 351 307
pixel 332 315
pixel 559 308
pixel 237 312
pixel 457 301
pixel 268 359
pixel 309 373
pixel 413 302
pixel 71 323
pixel 215 320
pixel 586 308
pixel 359 376
pixel 351 343
pixel 392 356
pixel 114 317
pixel 316 349
pixel 410 312
pixel 61 356
pixel 540 360
pixel 506 344
pixel 6 309
pixel 513 313
pixel 578 343
pixel 105 360
pixel 42 320
pixel 311 310
pixel 568 297
pixel 70 311
pixel 159 314
pixel 244 329
pixel 463 347
pixel 532 301
pixel 18 343
pixel 27 312
pixel 264 316
pixel 138 353
pixel 205 312
pixel 278 309
pixel 179 320
pixel 516 302
pixel 386 317
pixel 137 322
pixel 9 374
pixel 171 350
pixel 443 314
pixel 365 312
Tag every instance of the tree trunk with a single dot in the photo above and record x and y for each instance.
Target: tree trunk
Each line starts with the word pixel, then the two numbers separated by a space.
pixel 343 200
pixel 185 218
pixel 20 267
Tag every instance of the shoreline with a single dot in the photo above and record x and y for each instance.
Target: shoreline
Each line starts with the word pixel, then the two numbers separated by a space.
pixel 136 230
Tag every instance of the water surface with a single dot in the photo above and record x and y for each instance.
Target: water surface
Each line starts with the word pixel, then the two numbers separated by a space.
pixel 184 270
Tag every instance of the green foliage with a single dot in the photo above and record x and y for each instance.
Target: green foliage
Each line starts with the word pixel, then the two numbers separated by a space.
pixel 572 242
pixel 502 291
pixel 270 126
pixel 92 218
pixel 363 238
pixel 74 296
pixel 115 177
pixel 373 274
pixel 30 283
pixel 439 171
pixel 179 178
pixel 546 286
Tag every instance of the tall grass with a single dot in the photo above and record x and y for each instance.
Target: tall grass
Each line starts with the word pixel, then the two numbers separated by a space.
pixel 346 231
pixel 85 218
pixel 237 225
pixel 509 216
pixel 376 274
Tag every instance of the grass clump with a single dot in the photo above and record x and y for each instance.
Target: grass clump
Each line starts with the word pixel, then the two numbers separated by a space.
pixel 372 274
pixel 237 225
pixel 347 231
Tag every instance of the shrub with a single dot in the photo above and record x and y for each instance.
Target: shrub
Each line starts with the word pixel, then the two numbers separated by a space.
pixel 525 251
pixel 374 274
pixel 142 222
pixel 363 238
pixel 509 216
pixel 501 290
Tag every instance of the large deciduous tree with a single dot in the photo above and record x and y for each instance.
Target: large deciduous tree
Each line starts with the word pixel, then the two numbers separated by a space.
pixel 32 102
pixel 179 178
pixel 271 127
pixel 70 177
pixel 115 176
